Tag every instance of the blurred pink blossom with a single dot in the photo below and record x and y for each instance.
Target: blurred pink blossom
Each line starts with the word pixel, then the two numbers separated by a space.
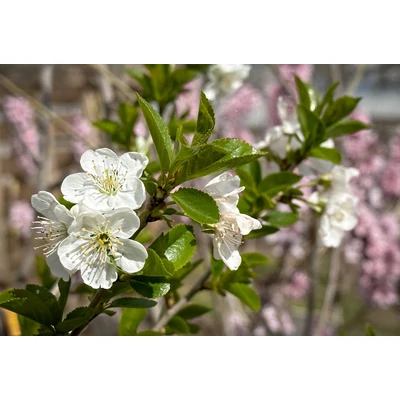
pixel 189 100
pixel 20 217
pixel 391 179
pixel 298 285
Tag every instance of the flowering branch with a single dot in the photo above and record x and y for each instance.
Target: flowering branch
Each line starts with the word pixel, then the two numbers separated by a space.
pixel 199 285
pixel 334 269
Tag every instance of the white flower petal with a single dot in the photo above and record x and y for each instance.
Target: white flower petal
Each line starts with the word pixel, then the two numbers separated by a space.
pixel 99 276
pixel 330 236
pixel 63 215
pixel 132 256
pixel 74 187
pixel 123 222
pixel 95 162
pixel 229 254
pixel 56 268
pixel 134 162
pixel 70 253
pixel 246 223
pixel 45 203
pixel 132 195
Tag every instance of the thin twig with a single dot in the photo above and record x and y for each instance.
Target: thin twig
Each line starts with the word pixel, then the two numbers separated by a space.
pixel 117 82
pixel 326 311
pixel 313 268
pixel 199 285
pixel 357 78
pixel 42 110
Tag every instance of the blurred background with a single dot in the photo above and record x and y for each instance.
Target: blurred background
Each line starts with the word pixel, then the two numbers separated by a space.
pixel 46 116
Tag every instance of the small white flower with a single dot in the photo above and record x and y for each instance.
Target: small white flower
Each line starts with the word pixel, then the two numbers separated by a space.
pixel 225 189
pixel 99 243
pixel 228 237
pixel 52 229
pixel 108 182
pixel 340 216
pixel 225 79
pixel 287 136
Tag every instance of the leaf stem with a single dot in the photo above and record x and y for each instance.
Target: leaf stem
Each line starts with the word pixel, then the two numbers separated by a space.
pixel 199 285
pixel 94 304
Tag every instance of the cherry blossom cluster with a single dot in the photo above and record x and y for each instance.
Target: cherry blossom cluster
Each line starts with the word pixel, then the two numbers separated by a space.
pixel 93 237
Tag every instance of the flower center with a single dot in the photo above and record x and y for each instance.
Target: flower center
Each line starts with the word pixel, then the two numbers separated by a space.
pixel 228 231
pixel 51 233
pixel 100 244
pixel 109 179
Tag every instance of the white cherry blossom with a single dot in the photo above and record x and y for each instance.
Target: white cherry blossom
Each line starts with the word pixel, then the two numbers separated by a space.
pixel 99 243
pixel 108 182
pixel 225 189
pixel 225 79
pixel 52 229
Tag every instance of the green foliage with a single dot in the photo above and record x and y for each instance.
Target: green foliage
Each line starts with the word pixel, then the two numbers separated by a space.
pixel 28 327
pixel 177 325
pixel 345 127
pixel 120 132
pixel 339 109
pixel 151 287
pixel 279 218
pixel 130 321
pixel 216 157
pixel 264 231
pixel 197 205
pixel 63 287
pixel 251 260
pixel 176 246
pixel 205 122
pixel 155 266
pixel 132 302
pixel 311 126
pixel 159 134
pixel 193 311
pixel 274 183
pixel 34 302
pixel 75 319
pixel 245 294
pixel 325 153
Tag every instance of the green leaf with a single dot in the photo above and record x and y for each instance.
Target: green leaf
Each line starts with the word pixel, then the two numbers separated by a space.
pixel 159 133
pixel 264 231
pixel 75 319
pixel 217 267
pixel 339 109
pixel 44 273
pixel 108 126
pixel 132 302
pixel 274 183
pixel 279 218
pixel 369 331
pixel 127 114
pixel 311 126
pixel 218 156
pixel 177 246
pixel 154 265
pixel 178 325
pixel 193 311
pixel 64 292
pixel 327 99
pixel 197 205
pixel 28 327
pixel 151 287
pixel 149 333
pixel 332 155
pixel 346 127
pixel 130 321
pixel 205 122
pixel 254 259
pixel 245 294
pixel 304 97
